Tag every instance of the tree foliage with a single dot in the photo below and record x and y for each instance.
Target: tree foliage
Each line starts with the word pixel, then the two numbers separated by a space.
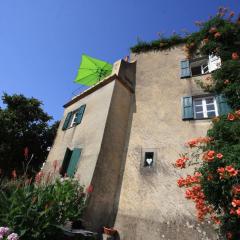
pixel 25 133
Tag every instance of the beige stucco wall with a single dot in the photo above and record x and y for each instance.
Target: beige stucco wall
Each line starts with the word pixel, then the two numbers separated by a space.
pixel 151 205
pixel 102 205
pixel 87 135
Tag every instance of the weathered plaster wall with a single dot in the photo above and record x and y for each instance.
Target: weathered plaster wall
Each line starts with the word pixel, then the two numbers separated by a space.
pixel 101 209
pixel 87 135
pixel 151 205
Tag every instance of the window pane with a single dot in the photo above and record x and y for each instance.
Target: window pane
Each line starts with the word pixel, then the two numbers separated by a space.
pixel 198 102
pixel 198 108
pixel 199 115
pixel 209 100
pixel 211 114
pixel 210 107
pixel 196 70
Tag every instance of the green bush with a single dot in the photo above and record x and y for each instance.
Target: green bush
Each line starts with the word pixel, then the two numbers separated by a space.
pixel 34 210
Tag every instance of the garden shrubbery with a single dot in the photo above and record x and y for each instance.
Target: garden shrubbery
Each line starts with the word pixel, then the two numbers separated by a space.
pixel 35 209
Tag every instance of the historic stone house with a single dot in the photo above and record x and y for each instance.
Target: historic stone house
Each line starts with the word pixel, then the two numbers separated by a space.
pixel 123 135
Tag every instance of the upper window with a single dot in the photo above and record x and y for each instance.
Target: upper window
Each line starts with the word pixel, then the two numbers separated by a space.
pixel 73 118
pixel 196 107
pixel 205 107
pixel 199 66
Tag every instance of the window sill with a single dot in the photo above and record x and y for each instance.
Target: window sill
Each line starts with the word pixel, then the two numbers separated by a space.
pixel 199 75
pixel 196 119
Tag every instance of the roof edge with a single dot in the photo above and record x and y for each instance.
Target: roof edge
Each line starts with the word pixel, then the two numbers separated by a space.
pixel 98 86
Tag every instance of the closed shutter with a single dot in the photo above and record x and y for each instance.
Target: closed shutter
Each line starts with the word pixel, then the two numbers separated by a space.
pixel 185 69
pixel 187 108
pixel 67 120
pixel 80 113
pixel 223 107
pixel 72 167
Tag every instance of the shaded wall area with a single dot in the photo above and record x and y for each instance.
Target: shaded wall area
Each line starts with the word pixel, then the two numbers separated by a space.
pixel 101 208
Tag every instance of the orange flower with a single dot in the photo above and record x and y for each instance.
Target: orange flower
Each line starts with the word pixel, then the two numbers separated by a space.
pixel 236 189
pixel 55 165
pixel 235 56
pixel 219 156
pixel 181 162
pixel 232 211
pixel 226 81
pixel 215 219
pixel 231 170
pixel 235 202
pixel 238 211
pixel 209 156
pixel 201 140
pixel 26 152
pixel 205 40
pixel 237 113
pixel 213 30
pixel 221 172
pixel 231 117
pixel 229 235
pixel 38 177
pixel 231 14
pixel 89 189
pixel 217 35
pixel 14 173
pixel 192 143
pixel 210 177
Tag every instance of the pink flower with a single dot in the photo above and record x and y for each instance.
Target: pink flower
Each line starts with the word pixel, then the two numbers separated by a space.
pixel 219 156
pixel 90 189
pixel 13 236
pixel 26 152
pixel 231 117
pixel 4 231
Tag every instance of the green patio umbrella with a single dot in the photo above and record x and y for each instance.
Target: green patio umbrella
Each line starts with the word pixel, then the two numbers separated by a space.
pixel 92 71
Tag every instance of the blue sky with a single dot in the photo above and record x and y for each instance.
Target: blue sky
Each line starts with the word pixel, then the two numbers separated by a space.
pixel 41 42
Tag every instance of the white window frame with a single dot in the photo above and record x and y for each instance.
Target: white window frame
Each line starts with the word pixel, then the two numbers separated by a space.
pixel 212 63
pixel 204 69
pixel 204 106
pixel 73 120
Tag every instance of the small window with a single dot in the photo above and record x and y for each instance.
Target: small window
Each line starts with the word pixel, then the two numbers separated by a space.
pixel 74 118
pixel 70 162
pixel 199 66
pixel 66 162
pixel 148 159
pixel 205 107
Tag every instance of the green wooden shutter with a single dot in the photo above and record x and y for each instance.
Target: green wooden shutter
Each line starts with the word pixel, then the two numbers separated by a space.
pixel 72 167
pixel 223 107
pixel 80 113
pixel 185 69
pixel 187 108
pixel 67 120
pixel 66 161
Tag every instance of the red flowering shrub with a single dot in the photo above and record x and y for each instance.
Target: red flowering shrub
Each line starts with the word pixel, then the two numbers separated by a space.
pixel 215 186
